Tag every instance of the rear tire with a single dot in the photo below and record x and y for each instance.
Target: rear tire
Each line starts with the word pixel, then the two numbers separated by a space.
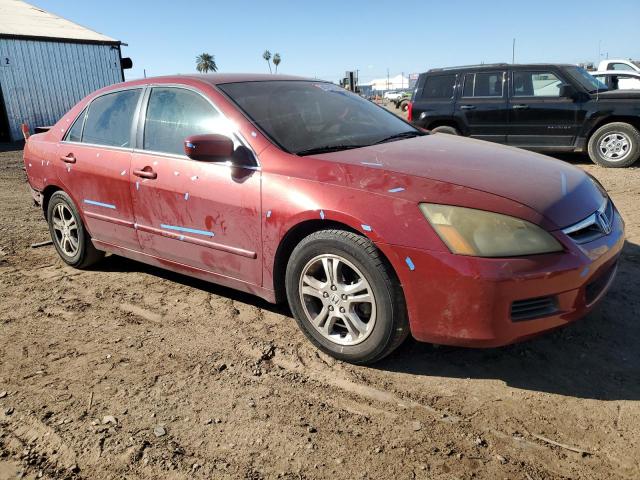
pixel 70 238
pixel 345 297
pixel 446 129
pixel 615 145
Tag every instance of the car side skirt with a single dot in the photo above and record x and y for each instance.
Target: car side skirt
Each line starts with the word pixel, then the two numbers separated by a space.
pixel 207 276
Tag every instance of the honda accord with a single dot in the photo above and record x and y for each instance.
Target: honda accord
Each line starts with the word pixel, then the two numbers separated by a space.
pixel 298 190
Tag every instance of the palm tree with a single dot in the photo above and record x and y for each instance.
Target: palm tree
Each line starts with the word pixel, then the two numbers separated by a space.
pixel 267 56
pixel 206 62
pixel 277 60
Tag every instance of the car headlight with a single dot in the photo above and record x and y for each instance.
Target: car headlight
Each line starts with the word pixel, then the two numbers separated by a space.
pixel 467 231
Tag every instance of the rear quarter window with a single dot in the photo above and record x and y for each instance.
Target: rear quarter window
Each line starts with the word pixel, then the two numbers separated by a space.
pixel 109 119
pixel 75 132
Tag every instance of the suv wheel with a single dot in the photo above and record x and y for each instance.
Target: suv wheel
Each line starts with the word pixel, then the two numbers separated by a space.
pixel 446 129
pixel 69 236
pixel 345 297
pixel 615 145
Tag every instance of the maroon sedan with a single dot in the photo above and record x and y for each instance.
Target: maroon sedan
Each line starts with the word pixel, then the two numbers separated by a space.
pixel 297 189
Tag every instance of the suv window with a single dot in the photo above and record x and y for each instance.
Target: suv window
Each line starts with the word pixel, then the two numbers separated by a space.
pixel 109 119
pixel 439 86
pixel 536 84
pixel 484 84
pixel 174 114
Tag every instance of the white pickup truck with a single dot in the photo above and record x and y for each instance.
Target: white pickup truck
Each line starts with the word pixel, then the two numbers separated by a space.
pixel 619 74
pixel 620 64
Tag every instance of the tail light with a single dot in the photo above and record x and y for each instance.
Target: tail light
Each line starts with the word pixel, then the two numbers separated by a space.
pixel 410 111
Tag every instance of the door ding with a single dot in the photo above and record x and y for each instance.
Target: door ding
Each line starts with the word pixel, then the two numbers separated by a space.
pixel 202 214
pixel 93 164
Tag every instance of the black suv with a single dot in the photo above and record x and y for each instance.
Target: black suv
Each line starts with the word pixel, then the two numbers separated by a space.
pixel 545 107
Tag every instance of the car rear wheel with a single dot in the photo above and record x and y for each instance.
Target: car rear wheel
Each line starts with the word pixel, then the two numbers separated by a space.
pixel 446 129
pixel 70 238
pixel 345 297
pixel 615 145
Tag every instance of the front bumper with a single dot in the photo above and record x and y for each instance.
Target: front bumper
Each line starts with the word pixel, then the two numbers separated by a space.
pixel 467 301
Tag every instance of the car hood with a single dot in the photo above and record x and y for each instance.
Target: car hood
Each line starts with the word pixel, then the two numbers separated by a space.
pixel 560 192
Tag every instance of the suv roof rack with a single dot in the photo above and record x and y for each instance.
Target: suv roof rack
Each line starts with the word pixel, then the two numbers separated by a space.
pixel 490 65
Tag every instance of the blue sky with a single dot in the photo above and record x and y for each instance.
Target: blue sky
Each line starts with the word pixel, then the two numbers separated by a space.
pixel 325 38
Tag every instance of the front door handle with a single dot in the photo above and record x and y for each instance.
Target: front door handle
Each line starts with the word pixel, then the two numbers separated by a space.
pixel 467 107
pixel 69 158
pixel 520 107
pixel 146 172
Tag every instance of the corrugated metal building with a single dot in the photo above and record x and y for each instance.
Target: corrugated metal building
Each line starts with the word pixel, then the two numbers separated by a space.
pixel 47 64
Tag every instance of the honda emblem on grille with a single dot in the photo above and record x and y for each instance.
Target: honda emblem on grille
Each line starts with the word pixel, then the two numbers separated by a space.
pixel 603 223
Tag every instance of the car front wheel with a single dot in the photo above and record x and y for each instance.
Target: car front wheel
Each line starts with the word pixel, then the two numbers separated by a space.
pixel 345 297
pixel 70 238
pixel 446 129
pixel 615 145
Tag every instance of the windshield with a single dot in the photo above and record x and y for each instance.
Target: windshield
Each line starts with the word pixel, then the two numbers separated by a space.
pixel 306 117
pixel 589 82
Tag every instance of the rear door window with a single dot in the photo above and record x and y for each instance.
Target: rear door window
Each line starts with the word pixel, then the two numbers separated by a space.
pixel 483 84
pixel 174 114
pixel 439 86
pixel 109 119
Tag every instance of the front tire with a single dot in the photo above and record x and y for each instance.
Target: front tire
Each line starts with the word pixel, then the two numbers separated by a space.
pixel 446 129
pixel 615 145
pixel 70 238
pixel 345 297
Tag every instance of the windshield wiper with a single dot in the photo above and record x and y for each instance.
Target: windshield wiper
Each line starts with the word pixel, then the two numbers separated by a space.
pixel 328 149
pixel 399 136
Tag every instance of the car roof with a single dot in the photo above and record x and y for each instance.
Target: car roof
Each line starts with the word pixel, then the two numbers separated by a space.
pixel 493 66
pixel 217 78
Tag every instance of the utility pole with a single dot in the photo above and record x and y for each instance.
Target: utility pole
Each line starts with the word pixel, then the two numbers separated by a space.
pixel 513 52
pixel 387 78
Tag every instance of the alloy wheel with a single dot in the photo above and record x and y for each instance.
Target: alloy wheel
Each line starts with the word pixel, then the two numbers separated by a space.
pixel 615 146
pixel 65 228
pixel 337 299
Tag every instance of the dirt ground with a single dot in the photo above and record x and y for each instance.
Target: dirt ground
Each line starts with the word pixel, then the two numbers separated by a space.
pixel 128 371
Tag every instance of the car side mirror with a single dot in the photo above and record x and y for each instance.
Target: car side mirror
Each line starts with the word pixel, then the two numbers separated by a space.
pixel 209 147
pixel 566 90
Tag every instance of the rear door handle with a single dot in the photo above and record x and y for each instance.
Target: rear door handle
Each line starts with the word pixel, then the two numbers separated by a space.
pixel 147 172
pixel 69 158
pixel 467 107
pixel 520 107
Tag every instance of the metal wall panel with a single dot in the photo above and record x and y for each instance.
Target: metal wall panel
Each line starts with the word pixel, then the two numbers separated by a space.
pixel 42 80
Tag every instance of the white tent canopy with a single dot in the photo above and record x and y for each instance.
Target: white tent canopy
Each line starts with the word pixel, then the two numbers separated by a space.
pixel 391 83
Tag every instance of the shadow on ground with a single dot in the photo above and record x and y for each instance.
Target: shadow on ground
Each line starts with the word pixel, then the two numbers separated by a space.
pixel 596 357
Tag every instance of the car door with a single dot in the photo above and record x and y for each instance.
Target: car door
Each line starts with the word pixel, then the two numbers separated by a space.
pixel 482 105
pixel 538 115
pixel 202 214
pixel 94 166
pixel 628 82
